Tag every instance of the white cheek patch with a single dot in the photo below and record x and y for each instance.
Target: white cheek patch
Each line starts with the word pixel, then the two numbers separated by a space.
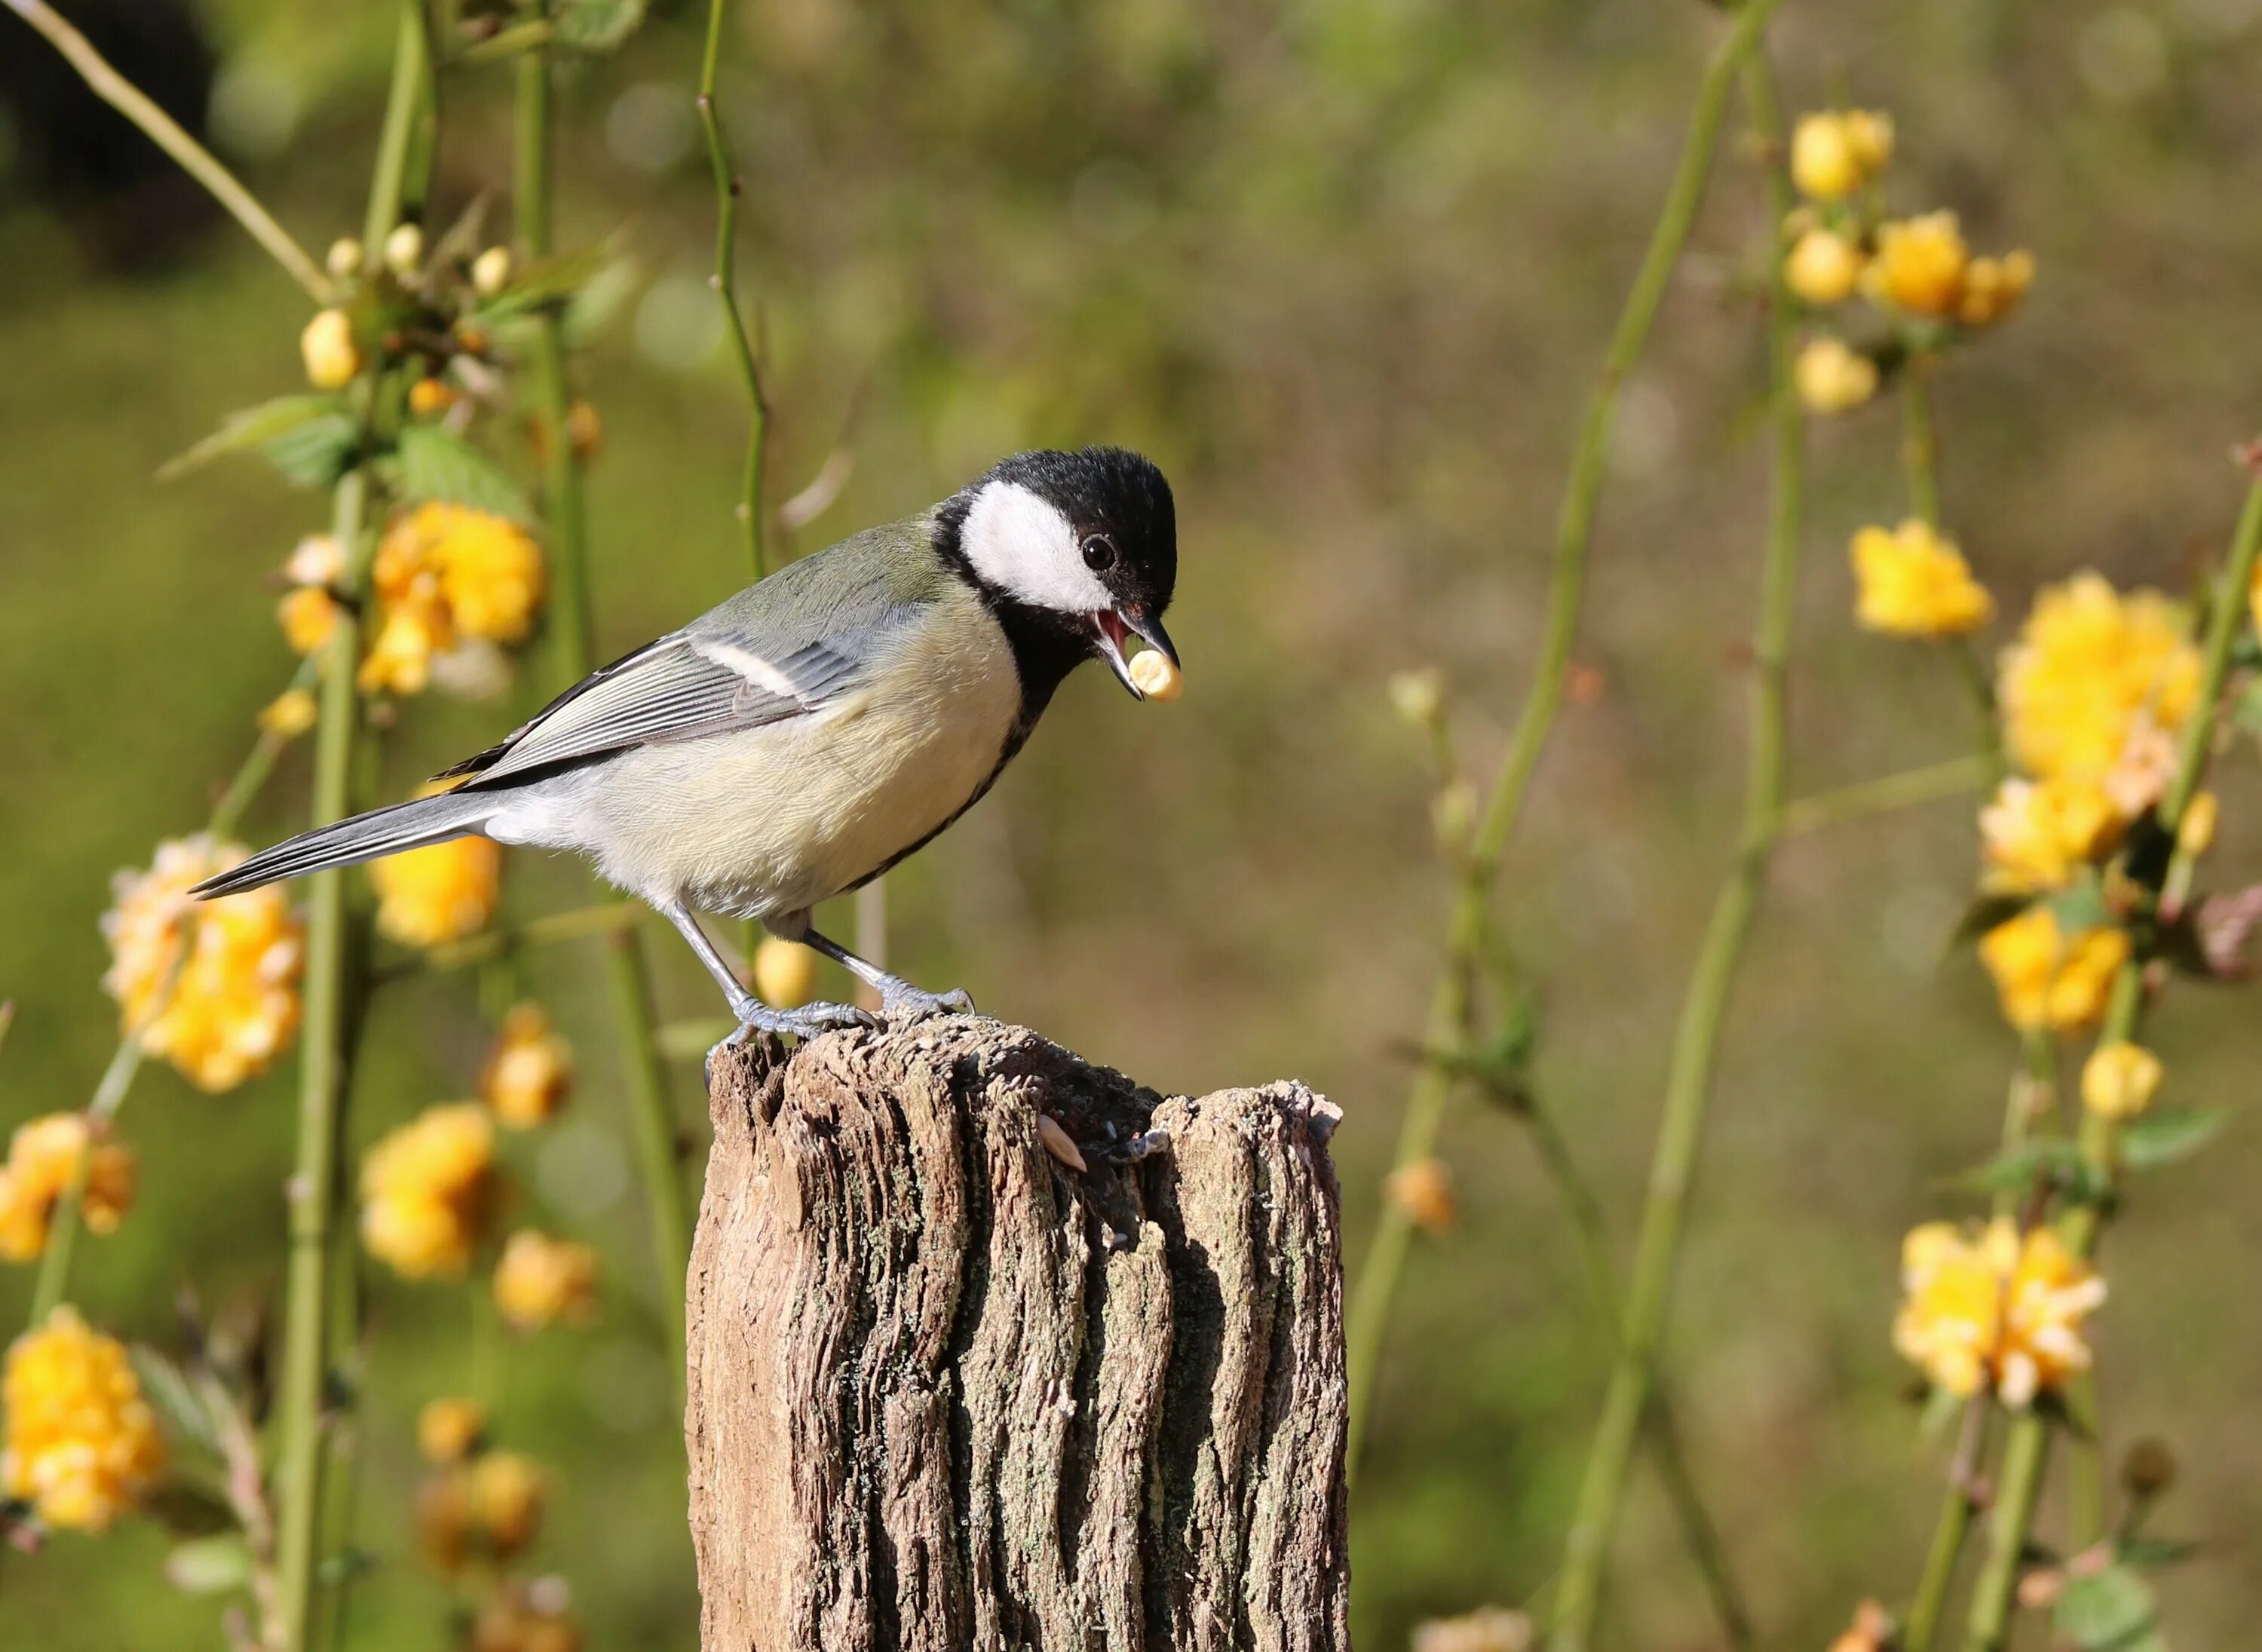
pixel 1023 544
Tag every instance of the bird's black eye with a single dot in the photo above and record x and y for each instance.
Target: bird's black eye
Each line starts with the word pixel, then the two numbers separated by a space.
pixel 1099 553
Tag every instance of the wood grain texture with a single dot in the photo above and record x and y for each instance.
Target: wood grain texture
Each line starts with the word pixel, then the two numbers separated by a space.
pixel 947 1392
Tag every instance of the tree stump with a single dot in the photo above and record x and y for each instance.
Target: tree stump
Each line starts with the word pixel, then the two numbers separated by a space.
pixel 948 1392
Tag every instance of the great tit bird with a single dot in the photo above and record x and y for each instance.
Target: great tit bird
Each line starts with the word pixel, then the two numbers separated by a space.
pixel 820 725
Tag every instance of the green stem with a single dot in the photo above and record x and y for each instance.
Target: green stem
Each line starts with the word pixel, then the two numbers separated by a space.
pixel 627 978
pixel 1956 777
pixel 1919 448
pixel 332 942
pixel 2027 1453
pixel 1956 1512
pixel 167 133
pixel 724 281
pixel 1689 1081
pixel 1703 1535
pixel 1369 1313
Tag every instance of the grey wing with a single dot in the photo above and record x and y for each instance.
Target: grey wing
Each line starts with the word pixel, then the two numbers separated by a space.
pixel 682 686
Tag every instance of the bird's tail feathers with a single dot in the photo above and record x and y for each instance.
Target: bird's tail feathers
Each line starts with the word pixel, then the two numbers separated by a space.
pixel 412 824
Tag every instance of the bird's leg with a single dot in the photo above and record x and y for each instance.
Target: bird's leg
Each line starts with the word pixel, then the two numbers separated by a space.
pixel 899 1000
pixel 753 1016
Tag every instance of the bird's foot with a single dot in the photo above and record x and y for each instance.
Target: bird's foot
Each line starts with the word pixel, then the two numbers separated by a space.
pixel 901 1003
pixel 810 1020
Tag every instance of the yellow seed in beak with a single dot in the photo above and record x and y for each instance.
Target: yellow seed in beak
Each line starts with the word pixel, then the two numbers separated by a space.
pixel 1156 677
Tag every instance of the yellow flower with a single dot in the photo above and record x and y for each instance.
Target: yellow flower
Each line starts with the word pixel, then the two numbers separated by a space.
pixel 1833 155
pixel 2001 1310
pixel 1921 265
pixel 2035 835
pixel 1915 583
pixel 316 560
pixel 81 1444
pixel 507 1493
pixel 232 965
pixel 332 356
pixel 404 248
pixel 444 892
pixel 43 1160
pixel 449 1429
pixel 485 569
pixel 1832 378
pixel 541 1280
pixel 2046 980
pixel 785 973
pixel 2091 668
pixel 2119 1080
pixel 528 1070
pixel 1993 287
pixel 309 619
pixel 426 1189
pixel 1823 267
pixel 2195 836
pixel 1424 1191
pixel 288 715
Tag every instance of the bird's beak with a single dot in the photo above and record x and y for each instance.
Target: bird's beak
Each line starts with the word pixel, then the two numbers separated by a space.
pixel 1117 624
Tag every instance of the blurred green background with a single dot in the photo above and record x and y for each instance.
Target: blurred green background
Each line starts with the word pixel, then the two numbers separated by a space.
pixel 1345 268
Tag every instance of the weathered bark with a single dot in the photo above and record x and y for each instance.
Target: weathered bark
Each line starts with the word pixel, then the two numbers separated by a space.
pixel 947 1392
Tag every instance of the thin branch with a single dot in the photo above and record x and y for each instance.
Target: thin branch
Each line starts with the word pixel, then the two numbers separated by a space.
pixel 724 281
pixel 1369 1313
pixel 1688 1089
pixel 1956 777
pixel 169 135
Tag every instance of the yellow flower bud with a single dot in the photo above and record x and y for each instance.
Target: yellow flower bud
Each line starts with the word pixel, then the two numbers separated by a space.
pixel 429 398
pixel 506 1499
pixel 1155 675
pixel 1424 1190
pixel 785 973
pixel 2119 1080
pixel 1921 265
pixel 1993 287
pixel 289 714
pixel 528 1070
pixel 1824 267
pixel 316 560
pixel 1823 162
pixel 426 1189
pixel 490 271
pixel 344 259
pixel 541 1280
pixel 2195 836
pixel 1870 137
pixel 584 429
pixel 449 1429
pixel 404 249
pixel 328 345
pixel 1832 378
pixel 1419 697
pixel 2045 978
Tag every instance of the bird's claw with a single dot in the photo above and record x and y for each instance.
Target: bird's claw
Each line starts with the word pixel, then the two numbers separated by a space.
pixel 810 1020
pixel 906 1003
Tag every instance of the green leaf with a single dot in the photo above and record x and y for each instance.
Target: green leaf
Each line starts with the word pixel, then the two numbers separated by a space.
pixel 2111 1611
pixel 1988 911
pixel 2052 1159
pixel 435 463
pixel 2156 1551
pixel 210 1565
pixel 2167 1134
pixel 2079 908
pixel 596 26
pixel 543 285
pixel 173 1396
pixel 309 438
pixel 598 300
